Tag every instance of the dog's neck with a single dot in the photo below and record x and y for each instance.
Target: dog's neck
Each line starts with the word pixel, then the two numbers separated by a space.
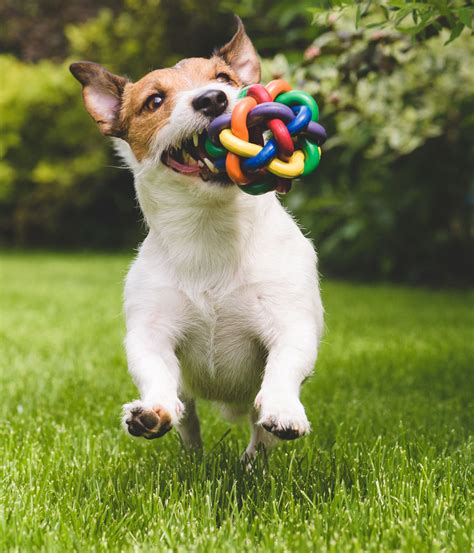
pixel 204 230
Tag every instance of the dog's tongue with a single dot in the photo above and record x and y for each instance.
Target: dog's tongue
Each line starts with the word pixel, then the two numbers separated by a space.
pixel 181 167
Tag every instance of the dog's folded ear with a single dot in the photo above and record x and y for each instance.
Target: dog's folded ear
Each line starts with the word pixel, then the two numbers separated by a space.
pixel 241 55
pixel 102 92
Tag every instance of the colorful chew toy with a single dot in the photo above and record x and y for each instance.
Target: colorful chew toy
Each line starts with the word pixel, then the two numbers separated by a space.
pixel 257 160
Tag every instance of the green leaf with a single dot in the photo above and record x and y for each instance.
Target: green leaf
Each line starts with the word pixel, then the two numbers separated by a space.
pixel 465 15
pixel 357 21
pixel 456 31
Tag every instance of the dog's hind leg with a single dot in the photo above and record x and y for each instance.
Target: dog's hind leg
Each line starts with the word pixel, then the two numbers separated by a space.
pixel 188 427
pixel 260 439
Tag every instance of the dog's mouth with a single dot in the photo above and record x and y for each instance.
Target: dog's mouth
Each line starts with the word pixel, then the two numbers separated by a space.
pixel 190 158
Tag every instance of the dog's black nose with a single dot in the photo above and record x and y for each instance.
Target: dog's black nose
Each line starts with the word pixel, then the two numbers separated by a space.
pixel 211 102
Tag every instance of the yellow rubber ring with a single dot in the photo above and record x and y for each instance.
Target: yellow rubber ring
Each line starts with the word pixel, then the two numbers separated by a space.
pixel 291 168
pixel 237 145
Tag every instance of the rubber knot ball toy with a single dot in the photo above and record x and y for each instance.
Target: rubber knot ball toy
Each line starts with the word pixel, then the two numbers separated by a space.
pixel 271 137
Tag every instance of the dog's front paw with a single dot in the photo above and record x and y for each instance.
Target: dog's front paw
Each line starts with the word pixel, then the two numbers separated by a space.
pixel 150 422
pixel 282 415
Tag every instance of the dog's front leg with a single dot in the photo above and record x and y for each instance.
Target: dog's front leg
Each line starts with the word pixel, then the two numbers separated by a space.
pixel 152 332
pixel 291 332
pixel 155 370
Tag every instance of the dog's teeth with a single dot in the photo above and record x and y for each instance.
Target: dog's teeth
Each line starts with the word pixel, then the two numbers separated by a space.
pixel 200 163
pixel 188 159
pixel 195 139
pixel 210 165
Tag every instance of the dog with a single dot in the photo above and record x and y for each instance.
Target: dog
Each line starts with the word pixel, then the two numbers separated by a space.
pixel 222 301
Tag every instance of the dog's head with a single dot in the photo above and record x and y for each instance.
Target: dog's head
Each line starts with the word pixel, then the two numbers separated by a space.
pixel 162 115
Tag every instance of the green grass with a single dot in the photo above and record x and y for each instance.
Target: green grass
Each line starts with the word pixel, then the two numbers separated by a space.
pixel 387 466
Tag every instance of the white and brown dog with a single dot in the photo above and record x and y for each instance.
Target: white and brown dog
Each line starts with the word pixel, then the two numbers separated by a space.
pixel 222 301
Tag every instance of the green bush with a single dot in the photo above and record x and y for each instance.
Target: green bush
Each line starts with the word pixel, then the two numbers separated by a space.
pixel 391 198
pixel 55 185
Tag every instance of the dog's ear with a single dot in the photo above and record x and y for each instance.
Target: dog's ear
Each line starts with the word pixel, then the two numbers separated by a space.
pixel 241 55
pixel 102 92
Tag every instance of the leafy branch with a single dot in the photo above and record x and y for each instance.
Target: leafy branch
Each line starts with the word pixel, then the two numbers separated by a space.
pixel 421 19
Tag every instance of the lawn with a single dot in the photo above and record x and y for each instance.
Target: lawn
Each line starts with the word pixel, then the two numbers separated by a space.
pixel 387 466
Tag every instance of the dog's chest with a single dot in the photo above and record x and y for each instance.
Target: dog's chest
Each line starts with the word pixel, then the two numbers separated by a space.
pixel 221 356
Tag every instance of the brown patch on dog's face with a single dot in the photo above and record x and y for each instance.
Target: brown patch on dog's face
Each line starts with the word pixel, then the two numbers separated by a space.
pixel 141 120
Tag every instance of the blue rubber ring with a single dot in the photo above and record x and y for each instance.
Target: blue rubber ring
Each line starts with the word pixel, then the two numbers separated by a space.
pixel 301 121
pixel 262 159
pixel 219 162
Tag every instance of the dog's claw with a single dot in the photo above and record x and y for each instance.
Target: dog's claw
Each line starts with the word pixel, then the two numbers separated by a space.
pixel 284 417
pixel 287 433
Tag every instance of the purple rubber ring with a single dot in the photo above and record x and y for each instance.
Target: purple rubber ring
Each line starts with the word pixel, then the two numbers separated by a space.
pixel 315 132
pixel 218 124
pixel 261 112
pixel 269 110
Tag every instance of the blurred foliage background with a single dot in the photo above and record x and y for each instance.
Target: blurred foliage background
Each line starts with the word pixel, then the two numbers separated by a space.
pixel 393 196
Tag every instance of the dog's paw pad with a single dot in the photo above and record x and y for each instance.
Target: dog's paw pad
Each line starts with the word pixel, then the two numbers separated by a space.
pixel 284 417
pixel 285 430
pixel 147 422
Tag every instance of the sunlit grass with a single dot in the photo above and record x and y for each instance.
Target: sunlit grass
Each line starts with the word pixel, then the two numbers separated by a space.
pixel 387 466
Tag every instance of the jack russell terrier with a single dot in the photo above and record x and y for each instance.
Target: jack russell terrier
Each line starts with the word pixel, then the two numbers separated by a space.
pixel 222 301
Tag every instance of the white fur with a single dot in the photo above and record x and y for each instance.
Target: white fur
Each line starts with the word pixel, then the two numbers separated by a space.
pixel 222 301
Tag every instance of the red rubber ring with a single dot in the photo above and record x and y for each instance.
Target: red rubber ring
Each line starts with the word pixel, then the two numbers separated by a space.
pixel 278 128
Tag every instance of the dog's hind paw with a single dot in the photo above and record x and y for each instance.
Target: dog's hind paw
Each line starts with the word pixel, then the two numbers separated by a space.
pixel 148 422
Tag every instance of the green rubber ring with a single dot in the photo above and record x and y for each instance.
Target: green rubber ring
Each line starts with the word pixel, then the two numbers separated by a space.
pixel 298 97
pixel 257 188
pixel 312 157
pixel 213 150
pixel 243 93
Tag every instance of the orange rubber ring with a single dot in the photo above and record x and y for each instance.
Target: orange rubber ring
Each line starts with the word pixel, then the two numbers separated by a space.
pixel 277 87
pixel 232 166
pixel 238 125
pixel 238 122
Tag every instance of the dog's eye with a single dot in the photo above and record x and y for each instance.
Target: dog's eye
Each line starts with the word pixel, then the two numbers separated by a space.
pixel 153 102
pixel 223 77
